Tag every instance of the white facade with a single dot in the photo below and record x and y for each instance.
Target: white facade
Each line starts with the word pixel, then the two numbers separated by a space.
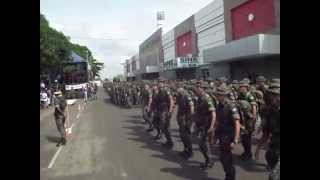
pixel 210 27
pixel 168 46
pixel 260 44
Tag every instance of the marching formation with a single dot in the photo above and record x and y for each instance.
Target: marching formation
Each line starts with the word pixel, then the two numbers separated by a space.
pixel 213 111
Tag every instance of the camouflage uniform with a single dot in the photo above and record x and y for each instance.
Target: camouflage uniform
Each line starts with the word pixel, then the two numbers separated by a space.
pixel 185 103
pixel 204 108
pixel 248 122
pixel 146 98
pixel 227 114
pixel 155 119
pixel 161 106
pixel 59 114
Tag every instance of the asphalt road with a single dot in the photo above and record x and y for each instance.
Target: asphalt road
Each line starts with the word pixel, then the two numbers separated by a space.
pixel 110 143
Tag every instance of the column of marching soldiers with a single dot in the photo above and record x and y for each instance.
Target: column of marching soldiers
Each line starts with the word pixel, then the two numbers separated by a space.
pixel 213 111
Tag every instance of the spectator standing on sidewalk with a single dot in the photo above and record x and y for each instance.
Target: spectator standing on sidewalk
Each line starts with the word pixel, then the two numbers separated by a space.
pixel 85 93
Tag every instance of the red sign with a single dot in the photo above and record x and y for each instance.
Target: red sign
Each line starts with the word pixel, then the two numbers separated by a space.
pixel 252 17
pixel 184 45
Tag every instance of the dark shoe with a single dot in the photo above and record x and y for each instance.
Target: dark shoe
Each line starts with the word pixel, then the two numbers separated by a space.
pixel 208 164
pixel 189 155
pixel 183 153
pixel 58 144
pixel 64 142
pixel 168 145
pixel 150 130
pixel 157 137
pixel 245 157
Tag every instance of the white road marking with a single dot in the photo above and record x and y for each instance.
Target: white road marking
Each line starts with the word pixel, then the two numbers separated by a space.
pixel 53 160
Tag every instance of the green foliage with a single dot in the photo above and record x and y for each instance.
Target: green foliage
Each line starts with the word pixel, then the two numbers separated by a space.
pixel 56 48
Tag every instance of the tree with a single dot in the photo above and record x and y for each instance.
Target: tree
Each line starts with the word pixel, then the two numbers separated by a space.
pixel 56 48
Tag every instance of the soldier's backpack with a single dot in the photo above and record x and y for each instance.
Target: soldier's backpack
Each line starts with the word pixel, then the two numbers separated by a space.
pixel 246 117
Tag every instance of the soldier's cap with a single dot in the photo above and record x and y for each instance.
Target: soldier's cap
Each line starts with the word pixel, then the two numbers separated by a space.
pixel 275 80
pixel 222 90
pixel 274 90
pixel 260 79
pixel 205 85
pixel 247 80
pixel 223 79
pixel 243 83
pixel 274 85
pixel 202 84
pixel 235 82
pixel 210 79
pixel 57 93
pixel 161 79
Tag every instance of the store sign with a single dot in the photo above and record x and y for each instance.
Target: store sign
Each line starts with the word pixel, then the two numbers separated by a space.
pixel 184 62
pixel 181 62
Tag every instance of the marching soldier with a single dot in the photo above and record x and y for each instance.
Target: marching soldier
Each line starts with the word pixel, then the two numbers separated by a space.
pixel 205 113
pixel 248 121
pixel 151 110
pixel 271 131
pixel 261 84
pixel 60 116
pixel 185 111
pixel 163 107
pixel 146 104
pixel 227 130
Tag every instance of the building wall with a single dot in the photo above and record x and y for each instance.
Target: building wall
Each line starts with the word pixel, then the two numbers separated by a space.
pixel 183 28
pixel 168 44
pixel 266 66
pixel 210 27
pixel 150 51
pixel 219 70
pixel 168 74
pixel 232 4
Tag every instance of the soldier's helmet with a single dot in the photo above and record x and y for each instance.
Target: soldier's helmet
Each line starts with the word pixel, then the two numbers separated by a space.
pixel 275 81
pixel 246 80
pixel 260 79
pixel 222 90
pixel 244 83
pixel 161 79
pixel 210 79
pixel 235 82
pixel 274 88
pixel 223 79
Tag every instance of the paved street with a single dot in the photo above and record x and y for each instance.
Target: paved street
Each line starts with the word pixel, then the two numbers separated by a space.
pixel 110 143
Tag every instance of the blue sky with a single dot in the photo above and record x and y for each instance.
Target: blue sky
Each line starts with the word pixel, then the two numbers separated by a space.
pixel 113 29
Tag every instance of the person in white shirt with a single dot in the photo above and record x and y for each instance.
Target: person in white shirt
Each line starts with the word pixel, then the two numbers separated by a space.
pixel 44 99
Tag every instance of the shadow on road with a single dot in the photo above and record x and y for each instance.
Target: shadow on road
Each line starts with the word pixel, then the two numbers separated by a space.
pixel 136 121
pixel 53 139
pixel 187 170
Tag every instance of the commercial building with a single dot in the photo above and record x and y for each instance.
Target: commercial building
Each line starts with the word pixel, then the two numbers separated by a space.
pixel 252 34
pixel 180 49
pixel 151 56
pixel 232 38
pixel 210 29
